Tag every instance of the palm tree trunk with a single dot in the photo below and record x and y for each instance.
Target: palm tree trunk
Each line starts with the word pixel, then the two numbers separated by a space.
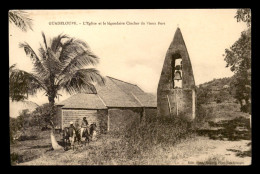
pixel 54 142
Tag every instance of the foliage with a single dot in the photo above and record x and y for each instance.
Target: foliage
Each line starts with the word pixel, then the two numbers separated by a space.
pixel 18 84
pixel 203 95
pixel 18 124
pixel 238 58
pixel 223 95
pixel 26 121
pixel 60 65
pixel 214 91
pixel 41 115
pixel 244 15
pixel 20 19
pixel 156 131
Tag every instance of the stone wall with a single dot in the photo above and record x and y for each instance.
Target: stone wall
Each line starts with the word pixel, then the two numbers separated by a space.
pixel 102 117
pixel 119 119
pixel 77 116
pixel 150 112
pixel 177 102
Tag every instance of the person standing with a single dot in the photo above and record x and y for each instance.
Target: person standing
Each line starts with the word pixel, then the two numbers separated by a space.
pixel 71 134
pixel 84 126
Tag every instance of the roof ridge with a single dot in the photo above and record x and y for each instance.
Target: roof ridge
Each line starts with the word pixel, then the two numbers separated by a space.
pixel 137 99
pixel 121 81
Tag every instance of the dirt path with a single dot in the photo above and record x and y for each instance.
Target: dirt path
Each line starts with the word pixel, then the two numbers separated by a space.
pixel 218 152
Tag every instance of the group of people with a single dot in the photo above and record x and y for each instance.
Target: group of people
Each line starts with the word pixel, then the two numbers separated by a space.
pixel 83 127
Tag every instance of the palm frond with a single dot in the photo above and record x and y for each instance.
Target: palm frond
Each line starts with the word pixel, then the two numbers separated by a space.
pixel 79 62
pixel 42 52
pixel 22 83
pixel 11 68
pixel 20 19
pixel 56 42
pixel 81 42
pixel 76 55
pixel 44 40
pixel 66 47
pixel 52 63
pixel 82 81
pixel 92 75
pixel 38 65
pixel 74 47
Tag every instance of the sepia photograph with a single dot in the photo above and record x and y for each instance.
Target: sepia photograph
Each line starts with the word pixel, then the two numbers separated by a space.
pixel 130 87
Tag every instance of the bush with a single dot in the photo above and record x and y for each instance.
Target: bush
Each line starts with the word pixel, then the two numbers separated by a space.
pixel 16 124
pixel 141 136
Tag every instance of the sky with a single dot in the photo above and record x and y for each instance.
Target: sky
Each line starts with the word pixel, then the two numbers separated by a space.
pixel 135 52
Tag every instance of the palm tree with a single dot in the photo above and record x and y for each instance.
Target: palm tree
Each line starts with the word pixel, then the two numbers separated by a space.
pixel 60 65
pixel 20 19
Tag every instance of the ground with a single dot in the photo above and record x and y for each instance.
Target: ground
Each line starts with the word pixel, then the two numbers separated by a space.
pixel 197 150
pixel 223 143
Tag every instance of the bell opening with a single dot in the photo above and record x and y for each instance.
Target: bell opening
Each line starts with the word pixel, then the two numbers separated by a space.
pixel 176 70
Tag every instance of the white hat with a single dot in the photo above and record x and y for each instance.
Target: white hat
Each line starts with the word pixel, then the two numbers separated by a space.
pixel 71 122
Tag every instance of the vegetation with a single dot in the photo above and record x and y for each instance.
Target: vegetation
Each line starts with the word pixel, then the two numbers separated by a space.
pixel 162 131
pixel 215 91
pixel 60 65
pixel 238 58
pixel 38 119
pixel 20 19
pixel 40 116
pixel 16 125
pixel 151 141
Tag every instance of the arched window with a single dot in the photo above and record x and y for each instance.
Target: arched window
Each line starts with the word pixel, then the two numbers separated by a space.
pixel 176 70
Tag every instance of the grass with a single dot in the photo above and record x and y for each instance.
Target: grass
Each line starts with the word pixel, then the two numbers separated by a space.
pixel 162 141
pixel 216 160
pixel 156 131
pixel 31 145
pixel 109 150
pixel 222 111
pixel 130 147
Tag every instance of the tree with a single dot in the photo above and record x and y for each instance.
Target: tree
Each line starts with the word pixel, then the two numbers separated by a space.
pixel 17 88
pixel 18 124
pixel 238 58
pixel 20 19
pixel 244 15
pixel 40 115
pixel 60 65
pixel 203 95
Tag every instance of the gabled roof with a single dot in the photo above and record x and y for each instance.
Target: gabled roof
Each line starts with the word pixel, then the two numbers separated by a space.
pixel 115 93
pixel 145 99
pixel 83 101
pixel 114 96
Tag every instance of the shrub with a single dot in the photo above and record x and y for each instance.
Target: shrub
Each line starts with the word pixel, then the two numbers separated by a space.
pixel 141 136
pixel 16 124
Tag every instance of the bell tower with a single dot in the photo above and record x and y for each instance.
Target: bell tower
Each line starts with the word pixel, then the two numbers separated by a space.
pixel 176 95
